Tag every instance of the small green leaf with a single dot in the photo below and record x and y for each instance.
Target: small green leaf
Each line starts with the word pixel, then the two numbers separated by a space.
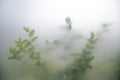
pixel 90 46
pixel 32 32
pixel 18 44
pixel 10 58
pixel 32 55
pixel 26 29
pixel 31 48
pixel 17 56
pixel 34 38
pixel 27 44
pixel 13 50
pixel 24 41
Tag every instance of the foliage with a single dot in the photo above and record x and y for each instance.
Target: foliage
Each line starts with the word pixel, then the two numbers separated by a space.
pixel 24 46
pixel 82 61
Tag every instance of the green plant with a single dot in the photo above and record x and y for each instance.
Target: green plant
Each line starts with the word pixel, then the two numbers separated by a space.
pixel 25 46
pixel 82 61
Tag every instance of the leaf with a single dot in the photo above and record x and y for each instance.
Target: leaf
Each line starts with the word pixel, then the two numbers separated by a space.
pixel 10 58
pixel 24 41
pixel 26 29
pixel 17 56
pixel 31 48
pixel 94 41
pixel 27 44
pixel 90 46
pixel 13 50
pixel 34 38
pixel 92 35
pixel 32 32
pixel 18 44
pixel 32 55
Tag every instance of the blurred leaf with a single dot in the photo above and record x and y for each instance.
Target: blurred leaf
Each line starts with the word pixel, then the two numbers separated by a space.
pixel 18 44
pixel 27 44
pixel 13 50
pixel 34 38
pixel 24 41
pixel 89 46
pixel 32 32
pixel 26 29
pixel 17 56
pixel 32 55
pixel 10 58
pixel 31 48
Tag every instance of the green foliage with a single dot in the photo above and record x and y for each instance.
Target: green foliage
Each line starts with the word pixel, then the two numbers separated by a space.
pixel 24 46
pixel 83 60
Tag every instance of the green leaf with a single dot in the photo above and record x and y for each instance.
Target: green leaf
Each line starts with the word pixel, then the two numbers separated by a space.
pixel 90 46
pixel 32 54
pixel 18 44
pixel 31 48
pixel 17 56
pixel 32 32
pixel 10 58
pixel 34 38
pixel 27 44
pixel 26 29
pixel 92 35
pixel 24 41
pixel 13 50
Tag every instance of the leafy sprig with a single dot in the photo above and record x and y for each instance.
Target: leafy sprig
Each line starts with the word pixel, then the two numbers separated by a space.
pixel 82 61
pixel 24 46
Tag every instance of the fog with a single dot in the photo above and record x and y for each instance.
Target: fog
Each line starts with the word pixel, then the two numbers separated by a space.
pixel 47 17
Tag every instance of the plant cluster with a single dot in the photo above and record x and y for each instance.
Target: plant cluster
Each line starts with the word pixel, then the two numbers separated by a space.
pixel 82 61
pixel 25 47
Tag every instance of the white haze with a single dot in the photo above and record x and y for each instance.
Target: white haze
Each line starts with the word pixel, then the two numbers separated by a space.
pixel 47 17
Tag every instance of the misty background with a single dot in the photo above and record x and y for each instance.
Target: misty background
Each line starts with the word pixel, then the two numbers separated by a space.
pixel 47 17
